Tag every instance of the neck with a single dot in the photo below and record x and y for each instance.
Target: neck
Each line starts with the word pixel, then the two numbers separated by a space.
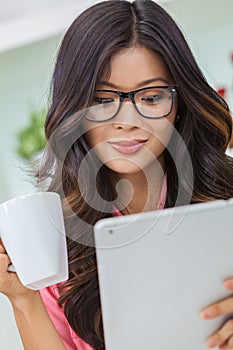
pixel 141 191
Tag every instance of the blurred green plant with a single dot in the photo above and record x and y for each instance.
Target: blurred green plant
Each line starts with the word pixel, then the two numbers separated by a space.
pixel 31 139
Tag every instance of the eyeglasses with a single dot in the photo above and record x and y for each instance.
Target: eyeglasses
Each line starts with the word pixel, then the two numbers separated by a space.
pixel 154 102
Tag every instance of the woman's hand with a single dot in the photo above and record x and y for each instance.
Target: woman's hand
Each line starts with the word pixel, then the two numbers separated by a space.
pixel 29 310
pixel 10 284
pixel 223 338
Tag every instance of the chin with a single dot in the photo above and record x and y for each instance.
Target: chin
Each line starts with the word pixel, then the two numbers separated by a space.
pixel 124 167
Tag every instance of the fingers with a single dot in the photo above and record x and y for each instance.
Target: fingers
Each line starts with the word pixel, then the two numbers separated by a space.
pixel 220 308
pixel 2 248
pixel 222 336
pixel 4 263
pixel 4 259
pixel 228 284
pixel 228 345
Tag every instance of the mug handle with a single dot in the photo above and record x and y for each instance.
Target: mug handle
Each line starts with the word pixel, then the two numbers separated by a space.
pixel 11 268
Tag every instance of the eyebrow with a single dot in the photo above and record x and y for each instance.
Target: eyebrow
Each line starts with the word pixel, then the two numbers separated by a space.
pixel 142 83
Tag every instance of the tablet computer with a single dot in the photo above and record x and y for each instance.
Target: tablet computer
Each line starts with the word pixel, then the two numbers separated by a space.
pixel 158 269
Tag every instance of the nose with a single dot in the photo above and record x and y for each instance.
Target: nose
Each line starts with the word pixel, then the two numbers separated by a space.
pixel 127 118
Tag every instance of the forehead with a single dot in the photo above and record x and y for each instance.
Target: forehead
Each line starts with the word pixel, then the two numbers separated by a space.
pixel 131 66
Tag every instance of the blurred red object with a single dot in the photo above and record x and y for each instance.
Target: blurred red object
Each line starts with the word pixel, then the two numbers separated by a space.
pixel 222 92
pixel 231 142
pixel 232 57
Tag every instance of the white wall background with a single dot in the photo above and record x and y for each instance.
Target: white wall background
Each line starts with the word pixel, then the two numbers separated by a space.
pixel 213 50
pixel 208 28
pixel 25 74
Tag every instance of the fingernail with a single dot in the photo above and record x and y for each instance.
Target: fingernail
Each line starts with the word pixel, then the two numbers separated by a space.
pixel 205 314
pixel 229 284
pixel 211 342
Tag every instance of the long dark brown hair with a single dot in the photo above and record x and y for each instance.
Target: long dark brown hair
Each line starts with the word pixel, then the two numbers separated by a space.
pixel 205 126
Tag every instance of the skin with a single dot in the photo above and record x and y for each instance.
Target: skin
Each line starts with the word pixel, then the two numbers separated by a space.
pixel 144 169
pixel 231 142
pixel 128 69
pixel 223 338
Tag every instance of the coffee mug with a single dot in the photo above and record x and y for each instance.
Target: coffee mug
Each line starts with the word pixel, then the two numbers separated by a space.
pixel 33 233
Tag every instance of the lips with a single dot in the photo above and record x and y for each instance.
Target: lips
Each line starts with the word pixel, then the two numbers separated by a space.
pixel 127 146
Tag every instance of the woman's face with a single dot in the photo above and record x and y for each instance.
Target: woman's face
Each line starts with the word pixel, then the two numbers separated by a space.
pixel 129 142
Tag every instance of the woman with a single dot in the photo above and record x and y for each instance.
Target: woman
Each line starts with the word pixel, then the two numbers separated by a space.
pixel 125 85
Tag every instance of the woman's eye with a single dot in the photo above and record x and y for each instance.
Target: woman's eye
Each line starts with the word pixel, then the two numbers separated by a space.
pixel 103 100
pixel 153 99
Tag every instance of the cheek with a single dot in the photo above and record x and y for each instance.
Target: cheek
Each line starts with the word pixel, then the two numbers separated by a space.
pixel 90 138
pixel 161 133
pixel 94 134
pixel 96 140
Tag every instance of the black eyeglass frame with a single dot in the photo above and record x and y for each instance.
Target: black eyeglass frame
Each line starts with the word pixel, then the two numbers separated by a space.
pixel 131 94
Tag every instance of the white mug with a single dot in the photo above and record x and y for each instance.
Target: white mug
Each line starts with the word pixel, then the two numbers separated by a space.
pixel 33 233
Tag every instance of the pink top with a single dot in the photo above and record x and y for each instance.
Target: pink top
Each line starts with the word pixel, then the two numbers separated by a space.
pixel 50 295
